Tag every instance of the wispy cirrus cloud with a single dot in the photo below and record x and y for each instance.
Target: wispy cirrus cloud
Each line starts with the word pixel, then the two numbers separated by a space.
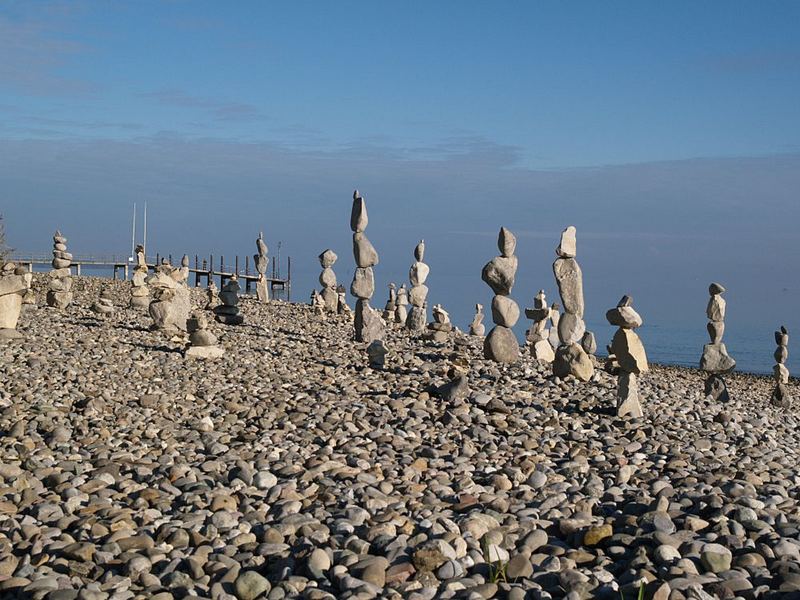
pixel 218 108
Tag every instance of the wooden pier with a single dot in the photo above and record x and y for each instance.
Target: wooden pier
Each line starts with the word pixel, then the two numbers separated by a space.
pixel 204 271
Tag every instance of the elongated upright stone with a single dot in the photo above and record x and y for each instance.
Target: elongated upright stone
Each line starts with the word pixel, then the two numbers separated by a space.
pixel 261 262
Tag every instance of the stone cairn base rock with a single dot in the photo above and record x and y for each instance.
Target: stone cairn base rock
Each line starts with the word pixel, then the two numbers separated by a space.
pixel 104 306
pixel 780 396
pixel 261 263
pixel 391 304
pixel 140 294
pixel 171 302
pixel 202 343
pixel 327 279
pixel 477 328
pixel 212 296
pixel 629 355
pixel 59 290
pixel 401 306
pixel 376 354
pixel 418 273
pixel 571 358
pixel 14 284
pixel 538 336
pixel 368 324
pixel 715 359
pixel 342 307
pixel 439 331
pixel 228 312
pixel 318 304
pixel 501 344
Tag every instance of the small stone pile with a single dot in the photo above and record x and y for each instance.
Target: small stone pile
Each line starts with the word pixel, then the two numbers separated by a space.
pixel 318 303
pixel 171 302
pixel 14 284
pixel 376 354
pixel 342 307
pixel 477 327
pixel 629 355
pixel 501 344
pixel 780 396
pixel 715 359
pixel 368 322
pixel 327 279
pixel 261 263
pixel 59 291
pixel 439 331
pixel 418 274
pixel 537 335
pixel 212 296
pixel 202 343
pixel 401 306
pixel 140 294
pixel 228 311
pixel 104 306
pixel 571 358
pixel 391 304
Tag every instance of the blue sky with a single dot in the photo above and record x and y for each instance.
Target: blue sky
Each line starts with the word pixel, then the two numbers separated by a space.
pixel 667 132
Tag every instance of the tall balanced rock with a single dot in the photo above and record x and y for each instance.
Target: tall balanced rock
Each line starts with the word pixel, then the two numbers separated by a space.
pixel 401 306
pixel 228 311
pixel 780 396
pixel 715 359
pixel 368 322
pixel 501 344
pixel 418 274
pixel 477 327
pixel 571 358
pixel 629 353
pixel 538 336
pixel 391 304
pixel 14 283
pixel 139 291
pixel 261 262
pixel 59 291
pixel 327 279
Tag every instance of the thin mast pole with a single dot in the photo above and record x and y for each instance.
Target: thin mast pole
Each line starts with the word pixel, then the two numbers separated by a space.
pixel 145 232
pixel 133 234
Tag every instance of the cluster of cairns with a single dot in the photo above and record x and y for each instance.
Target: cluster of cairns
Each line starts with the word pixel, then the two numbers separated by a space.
pixel 439 331
pixel 140 294
pixel 715 359
pixel 261 263
pixel 418 273
pixel 202 343
pixel 780 396
pixel 59 289
pixel 171 302
pixel 501 344
pixel 327 279
pixel 368 324
pixel 15 283
pixel 538 337
pixel 628 356
pixel 228 312
pixel 572 355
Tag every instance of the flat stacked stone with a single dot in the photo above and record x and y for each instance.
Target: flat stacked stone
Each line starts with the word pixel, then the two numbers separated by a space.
pixel 439 331
pixel 368 323
pixel 538 336
pixel 104 306
pixel 780 396
pixel 327 279
pixel 14 284
pixel 477 327
pixel 418 273
pixel 140 294
pixel 228 312
pixel 59 290
pixel 715 359
pixel 261 262
pixel 629 356
pixel 212 296
pixel 391 304
pixel 571 358
pixel 171 302
pixel 202 343
pixel 501 344
pixel 401 306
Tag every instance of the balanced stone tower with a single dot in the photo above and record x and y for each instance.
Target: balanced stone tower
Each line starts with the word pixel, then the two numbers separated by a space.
pixel 715 359
pixel 537 335
pixel 327 279
pixel 368 322
pixel 140 294
pixel 212 296
pixel 477 327
pixel 571 358
pixel 59 291
pixel 418 274
pixel 780 396
pixel 14 283
pixel 261 262
pixel 501 344
pixel 104 306
pixel 203 343
pixel 342 308
pixel 401 306
pixel 391 304
pixel 171 302
pixel 630 356
pixel 439 331
pixel 228 311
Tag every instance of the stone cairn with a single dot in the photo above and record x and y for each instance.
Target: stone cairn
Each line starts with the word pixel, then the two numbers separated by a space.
pixel 368 323
pixel 629 355
pixel 401 306
pixel 555 317
pixel 183 271
pixel 418 274
pixel 318 303
pixel 228 311
pixel 780 396
pixel 477 327
pixel 104 306
pixel 212 296
pixel 261 262
pixel 327 279
pixel 571 358
pixel 391 304
pixel 342 307
pixel 171 302
pixel 715 359
pixel 140 294
pixel 439 331
pixel 376 354
pixel 501 344
pixel 14 283
pixel 202 343
pixel 537 335
pixel 59 292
